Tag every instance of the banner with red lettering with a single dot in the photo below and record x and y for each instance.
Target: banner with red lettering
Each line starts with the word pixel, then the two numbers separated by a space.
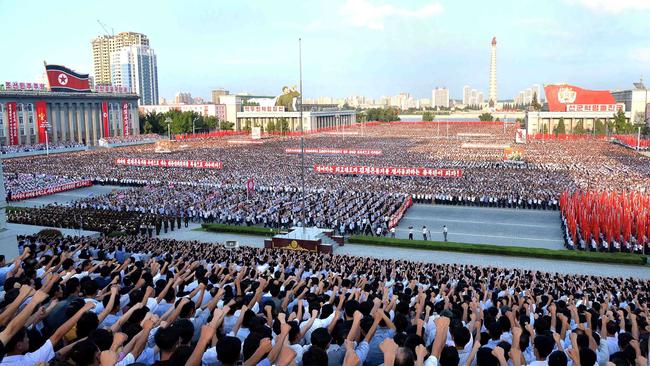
pixel 126 126
pixel 331 151
pixel 41 120
pixel 12 123
pixel 164 163
pixel 50 190
pixel 400 212
pixel 105 118
pixel 388 171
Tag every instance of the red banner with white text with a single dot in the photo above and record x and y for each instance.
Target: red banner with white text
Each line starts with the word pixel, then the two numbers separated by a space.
pixel 50 190
pixel 394 219
pixel 41 120
pixel 105 118
pixel 165 163
pixel 126 125
pixel 331 151
pixel 12 123
pixel 388 171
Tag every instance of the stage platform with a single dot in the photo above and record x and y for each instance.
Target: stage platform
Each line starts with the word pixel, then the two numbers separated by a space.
pixel 311 239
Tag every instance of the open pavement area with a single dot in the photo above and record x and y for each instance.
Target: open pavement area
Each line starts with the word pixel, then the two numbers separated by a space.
pixel 484 225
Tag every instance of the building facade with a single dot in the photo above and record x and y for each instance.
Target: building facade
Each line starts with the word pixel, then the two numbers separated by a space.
pixel 77 117
pixel 312 120
pixel 206 110
pixel 440 97
pixel 183 98
pixel 104 46
pixel 135 67
pixel 636 101
pixel 215 94
pixel 577 108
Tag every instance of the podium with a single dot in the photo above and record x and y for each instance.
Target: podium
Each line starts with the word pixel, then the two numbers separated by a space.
pixel 312 239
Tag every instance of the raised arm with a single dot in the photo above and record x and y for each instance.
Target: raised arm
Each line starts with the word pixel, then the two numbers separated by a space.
pixel 19 321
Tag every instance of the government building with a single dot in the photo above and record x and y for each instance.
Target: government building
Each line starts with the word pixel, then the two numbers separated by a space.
pixel 83 117
pixel 576 107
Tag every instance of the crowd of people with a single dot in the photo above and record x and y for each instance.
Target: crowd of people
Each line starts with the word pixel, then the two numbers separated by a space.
pixel 102 221
pixel 26 182
pixel 606 221
pixel 132 138
pixel 15 149
pixel 138 300
pixel 349 212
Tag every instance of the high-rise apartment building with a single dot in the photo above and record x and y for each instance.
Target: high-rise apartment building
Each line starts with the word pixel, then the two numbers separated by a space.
pixel 135 67
pixel 527 95
pixel 183 98
pixel 440 97
pixel 467 95
pixel 472 97
pixel 104 46
pixel 217 93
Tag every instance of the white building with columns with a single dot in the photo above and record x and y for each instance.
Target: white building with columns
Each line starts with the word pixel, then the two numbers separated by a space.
pixel 74 117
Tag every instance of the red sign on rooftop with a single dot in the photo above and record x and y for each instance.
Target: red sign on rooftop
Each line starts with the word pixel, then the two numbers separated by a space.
pixel 569 98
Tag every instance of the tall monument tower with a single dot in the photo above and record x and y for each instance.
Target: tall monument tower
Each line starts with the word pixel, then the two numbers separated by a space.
pixel 492 93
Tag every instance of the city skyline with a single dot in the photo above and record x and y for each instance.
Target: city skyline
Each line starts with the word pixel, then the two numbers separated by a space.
pixel 382 48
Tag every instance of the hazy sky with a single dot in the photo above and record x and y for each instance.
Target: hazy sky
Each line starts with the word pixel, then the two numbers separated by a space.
pixel 350 47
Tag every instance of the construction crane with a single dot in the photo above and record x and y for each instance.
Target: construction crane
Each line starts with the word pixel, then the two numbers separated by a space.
pixel 112 32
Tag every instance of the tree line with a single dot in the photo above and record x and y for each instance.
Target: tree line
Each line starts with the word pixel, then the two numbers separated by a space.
pixel 181 122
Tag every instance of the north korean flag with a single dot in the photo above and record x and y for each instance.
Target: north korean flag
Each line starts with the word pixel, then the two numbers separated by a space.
pixel 62 79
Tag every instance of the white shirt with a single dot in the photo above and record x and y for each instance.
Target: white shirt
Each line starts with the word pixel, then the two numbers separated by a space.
pixel 43 354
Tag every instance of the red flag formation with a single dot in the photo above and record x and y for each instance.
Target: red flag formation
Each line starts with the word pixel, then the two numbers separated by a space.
pixel 612 214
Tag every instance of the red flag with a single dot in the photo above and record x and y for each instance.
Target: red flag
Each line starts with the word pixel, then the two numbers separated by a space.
pixel 250 185
pixel 62 79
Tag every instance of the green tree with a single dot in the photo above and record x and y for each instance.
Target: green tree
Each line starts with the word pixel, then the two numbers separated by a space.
pixel 226 126
pixel 247 126
pixel 545 129
pixel 382 115
pixel 156 120
pixel 579 128
pixel 427 116
pixel 620 125
pixel 535 104
pixel 208 123
pixel 282 125
pixel 270 127
pixel 599 127
pixel 486 117
pixel 147 127
pixel 560 128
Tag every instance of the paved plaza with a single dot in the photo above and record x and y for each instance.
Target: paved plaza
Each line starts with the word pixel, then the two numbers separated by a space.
pixel 466 224
pixel 66 197
pixel 485 225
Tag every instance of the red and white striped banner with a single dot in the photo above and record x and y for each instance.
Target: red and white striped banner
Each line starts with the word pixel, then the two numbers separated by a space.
pixel 164 163
pixel 331 151
pixel 50 190
pixel 388 171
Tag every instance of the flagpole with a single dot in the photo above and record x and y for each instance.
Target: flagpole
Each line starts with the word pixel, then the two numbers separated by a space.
pixel 302 138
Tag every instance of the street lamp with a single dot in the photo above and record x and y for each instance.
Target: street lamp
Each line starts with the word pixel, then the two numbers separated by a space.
pixel 193 129
pixel 46 125
pixel 169 127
